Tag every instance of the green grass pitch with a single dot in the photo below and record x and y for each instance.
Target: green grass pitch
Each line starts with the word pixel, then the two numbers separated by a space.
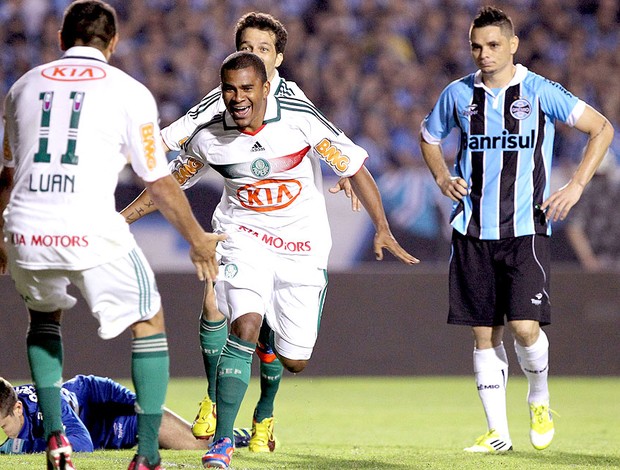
pixel 398 423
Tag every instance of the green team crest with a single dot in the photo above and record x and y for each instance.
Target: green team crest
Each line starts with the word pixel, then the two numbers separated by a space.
pixel 230 271
pixel 260 167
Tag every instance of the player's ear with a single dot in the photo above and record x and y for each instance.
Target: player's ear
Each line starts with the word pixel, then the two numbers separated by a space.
pixel 18 409
pixel 279 59
pixel 61 43
pixel 111 46
pixel 514 45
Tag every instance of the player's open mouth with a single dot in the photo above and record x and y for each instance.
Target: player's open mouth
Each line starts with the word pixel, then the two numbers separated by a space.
pixel 241 112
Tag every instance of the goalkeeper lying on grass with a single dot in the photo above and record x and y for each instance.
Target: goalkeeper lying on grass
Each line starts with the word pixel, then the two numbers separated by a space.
pixel 97 413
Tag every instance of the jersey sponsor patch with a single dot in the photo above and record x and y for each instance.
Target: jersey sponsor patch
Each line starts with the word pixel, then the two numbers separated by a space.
pixel 269 195
pixel 183 172
pixel 289 246
pixel 44 240
pixel 147 134
pixel 332 155
pixel 73 73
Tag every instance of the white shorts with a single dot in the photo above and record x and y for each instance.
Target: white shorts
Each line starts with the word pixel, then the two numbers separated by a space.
pixel 289 295
pixel 119 293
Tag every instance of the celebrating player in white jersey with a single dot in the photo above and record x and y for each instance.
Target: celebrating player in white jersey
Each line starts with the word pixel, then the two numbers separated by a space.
pixel 265 36
pixel 71 127
pixel 273 263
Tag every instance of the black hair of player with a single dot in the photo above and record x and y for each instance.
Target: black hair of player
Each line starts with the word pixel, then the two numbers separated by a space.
pixel 88 23
pixel 492 16
pixel 241 60
pixel 264 22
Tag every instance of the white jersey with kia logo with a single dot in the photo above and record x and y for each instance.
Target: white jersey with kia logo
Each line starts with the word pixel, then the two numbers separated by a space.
pixel 271 195
pixel 71 126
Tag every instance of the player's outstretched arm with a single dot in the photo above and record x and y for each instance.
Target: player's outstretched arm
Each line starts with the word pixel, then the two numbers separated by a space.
pixel 365 187
pixel 172 203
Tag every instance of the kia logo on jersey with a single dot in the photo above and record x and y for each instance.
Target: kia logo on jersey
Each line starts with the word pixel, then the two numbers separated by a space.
pixel 73 73
pixel 269 195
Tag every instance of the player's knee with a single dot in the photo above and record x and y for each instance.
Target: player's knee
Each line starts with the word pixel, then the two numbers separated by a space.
pixel 153 326
pixel 293 365
pixel 525 332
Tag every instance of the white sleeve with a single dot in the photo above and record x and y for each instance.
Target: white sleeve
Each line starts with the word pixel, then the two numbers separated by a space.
pixel 146 151
pixel 189 167
pixel 9 133
pixel 332 146
pixel 177 133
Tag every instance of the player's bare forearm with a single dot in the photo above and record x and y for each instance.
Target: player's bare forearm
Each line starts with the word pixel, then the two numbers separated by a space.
pixel 453 187
pixel 139 207
pixel 600 135
pixel 365 187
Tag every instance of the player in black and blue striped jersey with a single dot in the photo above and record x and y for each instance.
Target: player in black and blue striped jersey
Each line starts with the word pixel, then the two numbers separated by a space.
pixel 503 209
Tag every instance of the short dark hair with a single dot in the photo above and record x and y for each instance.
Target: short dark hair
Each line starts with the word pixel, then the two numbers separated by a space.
pixel 241 60
pixel 492 16
pixel 88 23
pixel 264 22
pixel 8 398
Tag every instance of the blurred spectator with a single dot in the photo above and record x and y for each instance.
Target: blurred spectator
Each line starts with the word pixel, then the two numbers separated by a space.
pixel 593 227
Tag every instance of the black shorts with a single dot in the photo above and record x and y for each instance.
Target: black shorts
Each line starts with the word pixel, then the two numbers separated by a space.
pixel 493 279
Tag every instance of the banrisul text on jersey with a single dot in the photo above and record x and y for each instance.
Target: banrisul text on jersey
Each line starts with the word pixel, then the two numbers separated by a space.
pixel 505 141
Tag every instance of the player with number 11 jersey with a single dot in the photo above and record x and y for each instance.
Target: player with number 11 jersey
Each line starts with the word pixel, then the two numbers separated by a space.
pixel 67 164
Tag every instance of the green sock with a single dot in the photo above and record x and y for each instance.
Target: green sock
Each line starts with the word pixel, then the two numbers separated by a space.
pixel 45 355
pixel 150 364
pixel 213 336
pixel 233 377
pixel 270 377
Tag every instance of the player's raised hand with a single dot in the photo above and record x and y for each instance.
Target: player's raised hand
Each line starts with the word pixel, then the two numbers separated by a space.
pixel 202 254
pixel 386 240
pixel 344 184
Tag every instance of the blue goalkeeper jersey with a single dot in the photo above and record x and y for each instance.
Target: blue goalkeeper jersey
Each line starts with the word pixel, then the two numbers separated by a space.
pixel 505 152
pixel 107 409
pixel 97 413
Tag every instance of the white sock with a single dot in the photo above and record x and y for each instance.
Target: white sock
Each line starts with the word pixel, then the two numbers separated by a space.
pixel 491 373
pixel 534 362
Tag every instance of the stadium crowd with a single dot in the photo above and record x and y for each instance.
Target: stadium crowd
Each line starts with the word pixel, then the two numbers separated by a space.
pixel 374 67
